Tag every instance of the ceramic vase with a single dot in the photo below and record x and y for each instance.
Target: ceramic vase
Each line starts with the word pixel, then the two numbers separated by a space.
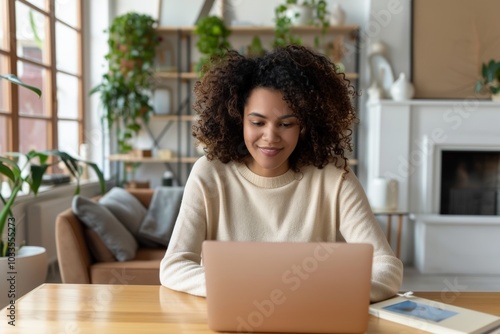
pixel 300 15
pixel 22 274
pixel 337 15
pixel 402 89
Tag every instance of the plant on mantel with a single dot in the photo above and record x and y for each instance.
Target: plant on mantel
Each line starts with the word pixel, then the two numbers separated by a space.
pixel 19 169
pixel 490 73
pixel 125 90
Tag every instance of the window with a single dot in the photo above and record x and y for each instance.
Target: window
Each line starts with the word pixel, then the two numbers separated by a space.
pixel 41 43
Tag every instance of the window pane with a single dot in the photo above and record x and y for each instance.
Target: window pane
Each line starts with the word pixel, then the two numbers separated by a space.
pixel 39 3
pixel 4 86
pixel 66 48
pixel 68 133
pixel 33 134
pixel 66 10
pixel 29 103
pixel 4 43
pixel 4 134
pixel 67 96
pixel 30 32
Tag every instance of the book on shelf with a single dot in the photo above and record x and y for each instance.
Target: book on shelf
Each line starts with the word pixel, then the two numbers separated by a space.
pixel 435 317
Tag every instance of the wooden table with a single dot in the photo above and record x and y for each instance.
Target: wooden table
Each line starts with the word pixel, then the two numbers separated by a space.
pixel 80 308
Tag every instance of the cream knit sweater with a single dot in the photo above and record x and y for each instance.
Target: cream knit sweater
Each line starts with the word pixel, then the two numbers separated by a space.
pixel 230 202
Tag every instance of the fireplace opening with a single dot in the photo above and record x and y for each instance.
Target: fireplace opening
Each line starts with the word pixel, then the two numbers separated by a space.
pixel 470 183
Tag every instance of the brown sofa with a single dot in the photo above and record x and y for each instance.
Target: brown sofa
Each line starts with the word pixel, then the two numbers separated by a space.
pixel 77 265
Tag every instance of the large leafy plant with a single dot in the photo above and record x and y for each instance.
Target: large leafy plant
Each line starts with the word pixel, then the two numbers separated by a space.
pixel 213 39
pixel 20 169
pixel 125 90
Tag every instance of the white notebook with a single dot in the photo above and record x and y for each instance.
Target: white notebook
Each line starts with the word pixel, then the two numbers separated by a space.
pixel 435 317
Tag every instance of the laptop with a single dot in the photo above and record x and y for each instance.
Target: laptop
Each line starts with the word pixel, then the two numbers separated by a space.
pixel 287 286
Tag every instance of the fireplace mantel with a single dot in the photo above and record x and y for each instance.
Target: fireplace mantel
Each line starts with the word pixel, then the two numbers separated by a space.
pixel 402 137
pixel 403 142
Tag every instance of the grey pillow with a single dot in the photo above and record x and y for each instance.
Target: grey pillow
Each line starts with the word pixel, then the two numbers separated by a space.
pixel 160 219
pixel 128 210
pixel 114 235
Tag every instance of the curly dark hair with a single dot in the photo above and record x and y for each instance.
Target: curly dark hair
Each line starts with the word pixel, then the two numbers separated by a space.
pixel 318 96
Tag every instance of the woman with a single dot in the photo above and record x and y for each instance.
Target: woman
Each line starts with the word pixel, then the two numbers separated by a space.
pixel 276 130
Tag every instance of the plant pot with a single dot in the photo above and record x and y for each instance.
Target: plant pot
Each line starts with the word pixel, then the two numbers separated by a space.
pixel 300 15
pixel 30 268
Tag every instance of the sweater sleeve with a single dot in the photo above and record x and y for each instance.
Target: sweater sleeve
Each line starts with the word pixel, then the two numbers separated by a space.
pixel 181 268
pixel 358 224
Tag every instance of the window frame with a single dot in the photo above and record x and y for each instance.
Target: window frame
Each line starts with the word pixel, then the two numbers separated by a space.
pixel 13 115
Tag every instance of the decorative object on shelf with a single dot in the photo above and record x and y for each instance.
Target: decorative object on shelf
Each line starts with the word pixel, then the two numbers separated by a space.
pixel 299 14
pixel 337 15
pixel 126 87
pixel 402 89
pixel 165 153
pixel 162 100
pixel 490 81
pixel 293 13
pixel 380 69
pixel 375 92
pixel 165 57
pixel 167 179
pixel 383 194
pixel 212 39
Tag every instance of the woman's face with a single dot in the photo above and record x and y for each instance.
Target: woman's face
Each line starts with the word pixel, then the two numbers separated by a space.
pixel 270 131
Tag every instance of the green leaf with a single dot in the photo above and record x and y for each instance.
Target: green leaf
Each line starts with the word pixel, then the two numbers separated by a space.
pixel 15 170
pixel 12 78
pixel 4 170
pixel 37 172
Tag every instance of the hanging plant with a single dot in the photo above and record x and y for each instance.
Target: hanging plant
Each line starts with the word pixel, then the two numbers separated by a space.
pixel 125 90
pixel 212 39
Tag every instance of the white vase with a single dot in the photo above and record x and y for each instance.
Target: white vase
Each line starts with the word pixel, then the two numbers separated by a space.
pixel 383 194
pixel 30 268
pixel 300 15
pixel 402 89
pixel 337 15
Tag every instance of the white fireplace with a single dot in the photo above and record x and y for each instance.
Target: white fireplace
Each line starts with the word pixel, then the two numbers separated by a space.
pixel 405 141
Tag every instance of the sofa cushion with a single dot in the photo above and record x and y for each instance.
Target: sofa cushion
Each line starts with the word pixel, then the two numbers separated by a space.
pixel 97 247
pixel 143 269
pixel 113 233
pixel 161 216
pixel 128 210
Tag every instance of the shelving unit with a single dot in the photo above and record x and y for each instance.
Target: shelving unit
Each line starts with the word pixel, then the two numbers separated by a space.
pixel 179 47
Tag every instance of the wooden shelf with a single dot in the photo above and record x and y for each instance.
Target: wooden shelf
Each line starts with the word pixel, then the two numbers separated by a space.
pixel 258 30
pixel 194 75
pixel 131 158
pixel 176 75
pixel 174 118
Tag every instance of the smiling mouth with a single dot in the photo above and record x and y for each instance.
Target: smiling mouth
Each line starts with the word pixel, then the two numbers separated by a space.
pixel 270 151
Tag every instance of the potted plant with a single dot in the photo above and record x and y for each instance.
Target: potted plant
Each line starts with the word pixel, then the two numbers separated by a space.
pixel 213 39
pixel 125 89
pixel 295 12
pixel 28 262
pixel 255 48
pixel 490 79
